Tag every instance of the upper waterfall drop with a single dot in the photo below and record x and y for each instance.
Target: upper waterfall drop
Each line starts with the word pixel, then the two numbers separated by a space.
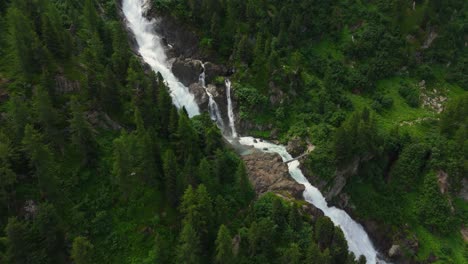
pixel 153 53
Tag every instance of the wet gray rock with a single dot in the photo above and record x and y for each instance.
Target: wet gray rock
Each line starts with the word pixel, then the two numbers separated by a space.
pixel 187 70
pixel 213 70
pixel 200 95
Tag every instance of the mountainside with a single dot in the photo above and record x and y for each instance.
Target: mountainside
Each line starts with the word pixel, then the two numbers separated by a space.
pixel 379 87
pixel 119 137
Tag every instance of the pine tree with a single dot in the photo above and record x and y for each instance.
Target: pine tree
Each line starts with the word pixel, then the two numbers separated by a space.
pixel 28 53
pixel 19 244
pixel 244 187
pixel 120 52
pixel 45 113
pixel 313 254
pixel 223 246
pixel 82 135
pixel 19 116
pixel 188 251
pixel 51 234
pixel 188 140
pixel 122 167
pixel 291 255
pixel 82 251
pixel 324 230
pixel 41 160
pixel 7 175
pixel 170 176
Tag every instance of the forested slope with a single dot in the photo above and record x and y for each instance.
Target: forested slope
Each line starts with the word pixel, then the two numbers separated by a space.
pixel 98 166
pixel 380 84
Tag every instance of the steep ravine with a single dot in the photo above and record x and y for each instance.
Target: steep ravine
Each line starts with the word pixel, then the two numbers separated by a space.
pixel 154 49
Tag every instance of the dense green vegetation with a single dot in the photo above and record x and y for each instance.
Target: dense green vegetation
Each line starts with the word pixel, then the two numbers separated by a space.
pixel 365 82
pixel 98 166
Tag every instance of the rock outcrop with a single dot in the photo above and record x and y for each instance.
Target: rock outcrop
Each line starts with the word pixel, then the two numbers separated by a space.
pixel 200 95
pixel 296 146
pixel 187 70
pixel 268 173
pixel 102 120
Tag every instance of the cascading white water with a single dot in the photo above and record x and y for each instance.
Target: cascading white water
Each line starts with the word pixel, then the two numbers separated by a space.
pixel 230 110
pixel 358 240
pixel 152 52
pixel 213 108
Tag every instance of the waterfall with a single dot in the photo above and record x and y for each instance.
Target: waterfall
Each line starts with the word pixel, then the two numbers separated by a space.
pixel 151 49
pixel 213 108
pixel 357 238
pixel 152 52
pixel 230 111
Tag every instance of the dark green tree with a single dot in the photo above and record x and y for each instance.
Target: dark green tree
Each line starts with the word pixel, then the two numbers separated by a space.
pixel 82 134
pixel 188 250
pixel 223 246
pixel 82 250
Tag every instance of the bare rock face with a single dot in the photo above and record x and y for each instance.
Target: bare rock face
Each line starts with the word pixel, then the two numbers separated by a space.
pixel 187 70
pixel 213 70
pixel 268 173
pixel 200 95
pixel 464 190
pixel 102 120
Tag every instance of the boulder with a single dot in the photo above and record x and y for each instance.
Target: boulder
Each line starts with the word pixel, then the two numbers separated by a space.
pixel 296 146
pixel 394 251
pixel 200 95
pixel 268 173
pixel 187 70
pixel 213 70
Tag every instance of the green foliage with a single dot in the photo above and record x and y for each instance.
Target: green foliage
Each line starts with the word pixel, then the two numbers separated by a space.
pixel 434 208
pixel 82 249
pixel 411 95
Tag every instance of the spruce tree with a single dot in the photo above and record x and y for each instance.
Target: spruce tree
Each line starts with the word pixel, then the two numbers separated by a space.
pixel 45 113
pixel 82 134
pixel 82 250
pixel 42 161
pixel 223 246
pixel 188 251
pixel 170 176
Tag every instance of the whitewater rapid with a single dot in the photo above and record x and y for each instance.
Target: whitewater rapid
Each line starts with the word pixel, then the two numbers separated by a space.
pixel 153 53
pixel 357 238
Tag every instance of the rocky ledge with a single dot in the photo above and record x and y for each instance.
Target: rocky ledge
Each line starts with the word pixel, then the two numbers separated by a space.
pixel 268 173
